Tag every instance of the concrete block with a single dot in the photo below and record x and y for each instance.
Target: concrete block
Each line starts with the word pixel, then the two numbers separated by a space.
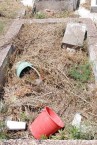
pixel 5 53
pixel 94 6
pixel 74 35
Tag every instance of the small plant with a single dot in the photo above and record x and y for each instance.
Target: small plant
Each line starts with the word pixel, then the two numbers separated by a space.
pixel 74 132
pixel 43 137
pixel 3 133
pixel 81 72
pixel 40 15
pixel 23 116
pixel 61 135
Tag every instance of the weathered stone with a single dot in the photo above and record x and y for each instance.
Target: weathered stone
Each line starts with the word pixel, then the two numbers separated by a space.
pixel 5 53
pixel 48 142
pixel 74 34
pixel 57 5
pixel 94 6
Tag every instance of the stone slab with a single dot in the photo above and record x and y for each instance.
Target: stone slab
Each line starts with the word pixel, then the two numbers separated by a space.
pixel 48 142
pixel 94 6
pixel 5 53
pixel 74 34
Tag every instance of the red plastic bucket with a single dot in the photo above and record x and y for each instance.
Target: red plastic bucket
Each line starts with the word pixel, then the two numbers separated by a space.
pixel 47 123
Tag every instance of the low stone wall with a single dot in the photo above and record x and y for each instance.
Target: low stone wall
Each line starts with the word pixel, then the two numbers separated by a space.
pixel 57 5
pixel 48 142
pixel 6 49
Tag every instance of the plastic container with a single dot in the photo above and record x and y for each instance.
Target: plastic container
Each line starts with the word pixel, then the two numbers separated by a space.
pixel 15 125
pixel 22 65
pixel 47 123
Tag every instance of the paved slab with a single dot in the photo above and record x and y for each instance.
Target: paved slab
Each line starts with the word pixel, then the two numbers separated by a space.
pixel 74 34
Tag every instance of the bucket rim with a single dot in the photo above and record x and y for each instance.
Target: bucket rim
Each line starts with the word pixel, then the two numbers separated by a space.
pixel 59 122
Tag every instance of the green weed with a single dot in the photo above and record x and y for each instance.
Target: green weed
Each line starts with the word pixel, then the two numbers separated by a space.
pixel 40 15
pixel 24 117
pixel 43 137
pixel 3 133
pixel 81 72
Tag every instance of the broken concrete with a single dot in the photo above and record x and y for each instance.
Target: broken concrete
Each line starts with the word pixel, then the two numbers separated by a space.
pixel 94 6
pixel 74 35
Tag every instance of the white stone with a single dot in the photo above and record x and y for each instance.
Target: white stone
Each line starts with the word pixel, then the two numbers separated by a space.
pixel 77 120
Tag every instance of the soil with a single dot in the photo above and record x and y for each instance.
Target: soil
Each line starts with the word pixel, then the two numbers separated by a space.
pixel 40 44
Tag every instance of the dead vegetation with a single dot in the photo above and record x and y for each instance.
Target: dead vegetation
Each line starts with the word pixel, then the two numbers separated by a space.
pixel 9 8
pixel 40 44
pixel 44 14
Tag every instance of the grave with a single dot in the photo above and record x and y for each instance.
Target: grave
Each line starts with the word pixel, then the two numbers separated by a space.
pixel 57 5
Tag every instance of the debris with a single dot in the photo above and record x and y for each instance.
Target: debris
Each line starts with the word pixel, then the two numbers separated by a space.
pixel 77 120
pixel 15 125
pixel 49 12
pixel 70 50
pixel 74 35
pixel 23 66
pixel 47 123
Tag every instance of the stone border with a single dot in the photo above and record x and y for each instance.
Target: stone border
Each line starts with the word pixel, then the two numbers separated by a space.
pixel 94 6
pixel 6 51
pixel 48 142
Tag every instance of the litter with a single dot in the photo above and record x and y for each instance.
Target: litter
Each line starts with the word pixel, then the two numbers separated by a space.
pixel 15 125
pixel 47 123
pixel 22 65
pixel 77 120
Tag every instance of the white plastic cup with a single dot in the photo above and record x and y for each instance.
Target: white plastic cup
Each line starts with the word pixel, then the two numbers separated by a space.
pixel 15 125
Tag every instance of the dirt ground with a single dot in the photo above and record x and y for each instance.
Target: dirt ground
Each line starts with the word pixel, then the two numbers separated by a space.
pixel 40 44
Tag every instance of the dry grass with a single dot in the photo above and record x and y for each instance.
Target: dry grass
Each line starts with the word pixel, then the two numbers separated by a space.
pixel 49 14
pixel 4 24
pixel 40 44
pixel 9 8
